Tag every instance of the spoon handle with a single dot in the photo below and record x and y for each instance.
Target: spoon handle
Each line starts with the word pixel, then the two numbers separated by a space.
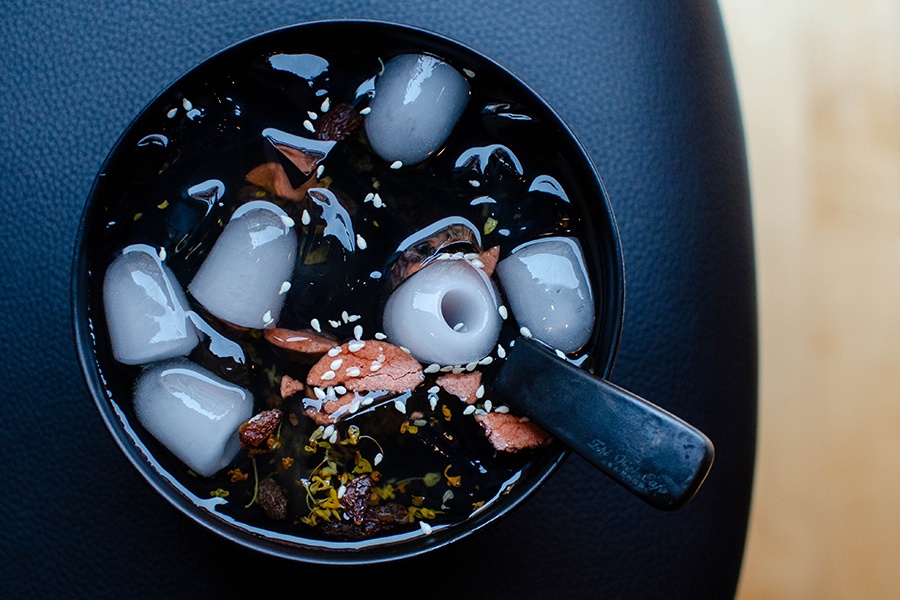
pixel 649 451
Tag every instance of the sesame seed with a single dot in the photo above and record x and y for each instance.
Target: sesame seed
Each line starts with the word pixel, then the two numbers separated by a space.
pixel 320 170
pixel 345 316
pixel 375 366
pixel 447 369
pixel 469 409
pixel 354 372
pixel 285 287
pixel 357 333
pixel 334 437
pixel 354 406
pixel 432 400
pixel 474 183
pixel 378 458
pixel 380 336
pixel 162 254
pixel 375 274
pixel 502 409
pixel 471 366
pixel 400 405
pixel 434 389
pixel 187 104
pixel 477 263
pixel 341 490
pixel 479 393
pixel 366 110
pixel 353 318
pixel 356 345
pixel 267 317
pixel 336 364
pixel 308 125
pixel 369 197
pixel 425 527
pixel 469 72
pixel 368 400
pixel 486 360
pixel 328 375
pixel 503 312
pixel 525 331
pixel 328 431
pixel 361 242
pixel 326 104
pixel 433 368
pixel 501 351
pixel 334 323
pixel 560 354
pixel 377 202
pixel 334 351
pixel 488 405
pixel 305 218
pixel 405 349
pixel 396 164
pixel 456 370
pixel 172 112
pixel 312 116
pixel 320 393
pixel 288 222
pixel 458 326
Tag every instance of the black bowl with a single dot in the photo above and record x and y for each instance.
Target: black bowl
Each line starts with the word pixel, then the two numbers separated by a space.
pixel 129 187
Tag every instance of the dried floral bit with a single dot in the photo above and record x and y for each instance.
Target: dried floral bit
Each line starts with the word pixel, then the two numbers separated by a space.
pixel 219 493
pixel 287 462
pixel 237 475
pixel 432 478
pixel 259 427
pixel 510 433
pixel 338 123
pixel 272 499
pixel 452 480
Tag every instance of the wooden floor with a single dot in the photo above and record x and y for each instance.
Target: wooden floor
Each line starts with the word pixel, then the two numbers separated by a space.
pixel 820 91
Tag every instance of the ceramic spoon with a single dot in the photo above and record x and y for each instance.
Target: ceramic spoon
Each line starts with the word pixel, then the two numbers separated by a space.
pixel 652 453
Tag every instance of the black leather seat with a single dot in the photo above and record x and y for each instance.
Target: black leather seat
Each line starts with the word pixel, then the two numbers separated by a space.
pixel 648 87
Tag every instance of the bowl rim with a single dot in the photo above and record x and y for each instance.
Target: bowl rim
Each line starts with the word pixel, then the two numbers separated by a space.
pixel 116 422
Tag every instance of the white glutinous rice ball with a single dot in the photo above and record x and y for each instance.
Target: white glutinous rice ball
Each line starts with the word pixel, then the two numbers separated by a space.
pixel 418 100
pixel 146 309
pixel 192 412
pixel 446 313
pixel 546 284
pixel 242 279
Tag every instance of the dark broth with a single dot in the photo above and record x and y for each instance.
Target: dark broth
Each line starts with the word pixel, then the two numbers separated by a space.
pixel 209 128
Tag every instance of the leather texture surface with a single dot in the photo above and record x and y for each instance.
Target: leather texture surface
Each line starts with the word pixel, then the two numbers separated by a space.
pixel 648 88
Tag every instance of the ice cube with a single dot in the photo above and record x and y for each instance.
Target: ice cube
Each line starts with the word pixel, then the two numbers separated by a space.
pixel 146 309
pixel 192 412
pixel 446 313
pixel 547 286
pixel 240 281
pixel 418 100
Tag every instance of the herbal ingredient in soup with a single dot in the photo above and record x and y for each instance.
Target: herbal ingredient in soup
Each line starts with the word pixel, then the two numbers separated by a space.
pixel 327 371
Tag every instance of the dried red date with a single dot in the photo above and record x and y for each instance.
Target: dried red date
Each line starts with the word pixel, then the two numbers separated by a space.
pixel 259 427
pixel 272 499
pixel 377 519
pixel 338 123
pixel 356 498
